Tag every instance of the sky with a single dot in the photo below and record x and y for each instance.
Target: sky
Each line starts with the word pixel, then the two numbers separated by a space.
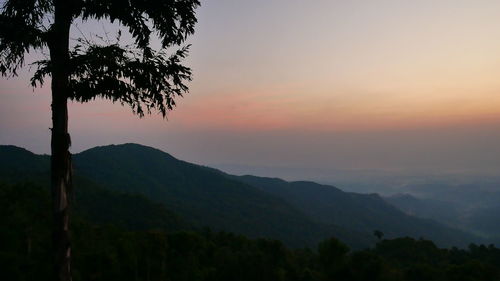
pixel 322 90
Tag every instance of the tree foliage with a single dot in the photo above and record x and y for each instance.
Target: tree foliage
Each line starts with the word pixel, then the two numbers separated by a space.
pixel 134 74
pixel 144 79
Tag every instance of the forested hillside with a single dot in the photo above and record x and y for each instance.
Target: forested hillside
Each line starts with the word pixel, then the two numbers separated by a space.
pixel 113 251
pixel 166 191
pixel 359 212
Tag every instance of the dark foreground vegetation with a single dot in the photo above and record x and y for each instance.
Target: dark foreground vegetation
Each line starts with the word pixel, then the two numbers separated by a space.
pixel 128 247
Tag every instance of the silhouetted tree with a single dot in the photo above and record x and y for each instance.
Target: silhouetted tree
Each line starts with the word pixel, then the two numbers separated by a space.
pixel 379 234
pixel 333 258
pixel 138 75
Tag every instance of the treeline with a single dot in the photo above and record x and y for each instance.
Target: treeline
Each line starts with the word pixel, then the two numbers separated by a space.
pixel 110 252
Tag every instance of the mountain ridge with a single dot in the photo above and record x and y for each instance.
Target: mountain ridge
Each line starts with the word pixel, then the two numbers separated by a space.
pixel 207 196
pixel 360 212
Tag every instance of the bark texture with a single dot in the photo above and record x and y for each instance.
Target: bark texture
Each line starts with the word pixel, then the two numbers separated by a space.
pixel 61 169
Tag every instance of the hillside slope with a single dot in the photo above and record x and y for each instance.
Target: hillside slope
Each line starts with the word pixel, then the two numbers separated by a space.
pixel 28 172
pixel 359 212
pixel 298 213
pixel 480 219
pixel 204 196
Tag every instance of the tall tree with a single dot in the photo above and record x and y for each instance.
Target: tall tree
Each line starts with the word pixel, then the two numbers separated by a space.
pixel 137 75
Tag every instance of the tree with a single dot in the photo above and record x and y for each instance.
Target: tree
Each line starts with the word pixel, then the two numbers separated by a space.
pixel 333 258
pixel 137 75
pixel 379 234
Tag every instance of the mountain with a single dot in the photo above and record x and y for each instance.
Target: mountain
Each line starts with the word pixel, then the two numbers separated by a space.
pixel 203 196
pixel 127 210
pixel 469 215
pixel 30 175
pixel 439 210
pixel 17 164
pixel 360 212
pixel 298 213
pixel 154 180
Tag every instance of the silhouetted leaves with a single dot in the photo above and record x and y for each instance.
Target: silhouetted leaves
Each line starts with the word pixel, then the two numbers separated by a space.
pixel 144 79
pixel 136 75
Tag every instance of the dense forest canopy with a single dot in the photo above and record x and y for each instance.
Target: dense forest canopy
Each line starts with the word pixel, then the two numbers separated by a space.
pixel 117 250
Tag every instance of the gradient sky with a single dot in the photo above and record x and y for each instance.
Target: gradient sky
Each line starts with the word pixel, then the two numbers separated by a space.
pixel 317 86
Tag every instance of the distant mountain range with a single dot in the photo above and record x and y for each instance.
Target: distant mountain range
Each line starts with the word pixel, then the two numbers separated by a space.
pixel 471 210
pixel 360 212
pixel 141 187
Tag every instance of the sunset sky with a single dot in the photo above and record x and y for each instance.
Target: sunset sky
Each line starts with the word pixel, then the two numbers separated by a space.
pixel 311 85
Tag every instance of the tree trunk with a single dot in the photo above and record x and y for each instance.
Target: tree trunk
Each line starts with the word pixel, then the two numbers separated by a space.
pixel 61 186
pixel 61 158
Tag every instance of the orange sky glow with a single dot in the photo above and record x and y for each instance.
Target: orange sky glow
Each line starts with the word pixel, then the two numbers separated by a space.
pixel 296 69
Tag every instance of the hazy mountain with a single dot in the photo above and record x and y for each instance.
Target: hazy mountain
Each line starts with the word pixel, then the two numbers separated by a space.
pixel 427 208
pixel 360 212
pixel 469 215
pixel 480 193
pixel 299 213
pixel 204 196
